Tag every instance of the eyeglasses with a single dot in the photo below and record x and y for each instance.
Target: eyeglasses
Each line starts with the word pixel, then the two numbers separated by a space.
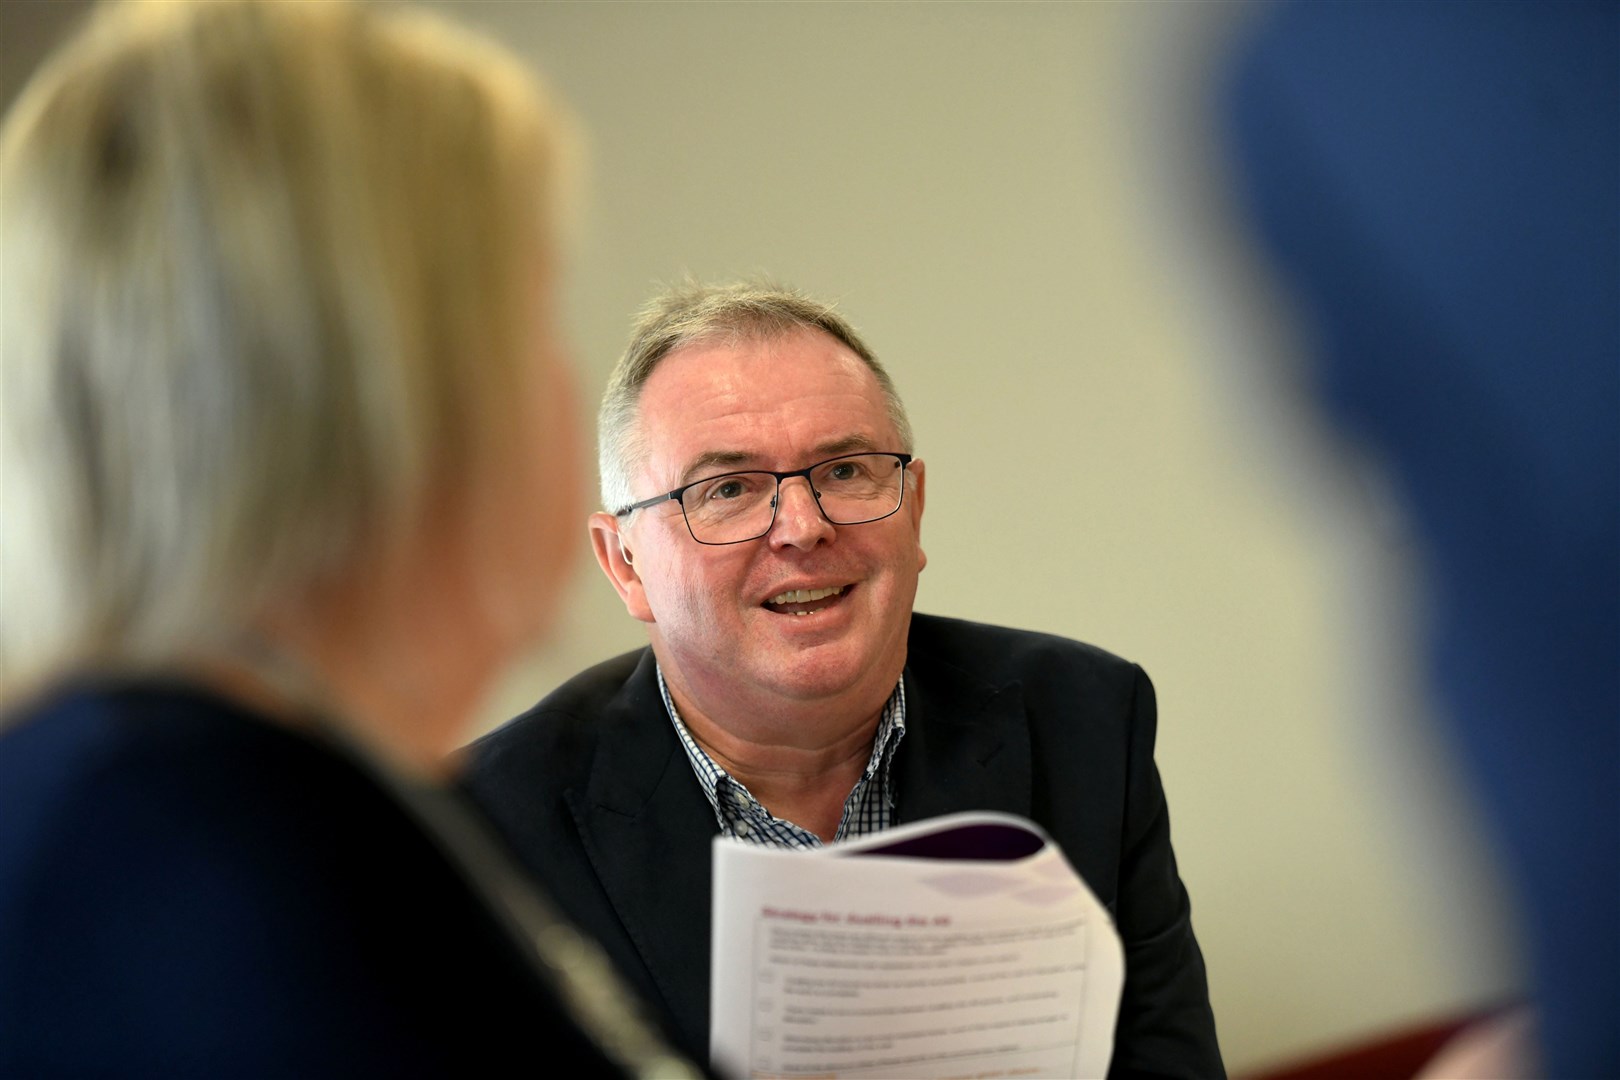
pixel 736 507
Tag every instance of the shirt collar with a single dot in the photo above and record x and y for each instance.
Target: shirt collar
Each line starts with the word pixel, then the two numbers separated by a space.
pixel 716 782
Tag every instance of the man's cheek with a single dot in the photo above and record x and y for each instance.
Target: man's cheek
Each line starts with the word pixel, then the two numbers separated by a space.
pixel 691 604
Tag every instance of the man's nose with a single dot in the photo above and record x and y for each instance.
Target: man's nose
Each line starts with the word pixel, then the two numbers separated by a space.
pixel 799 521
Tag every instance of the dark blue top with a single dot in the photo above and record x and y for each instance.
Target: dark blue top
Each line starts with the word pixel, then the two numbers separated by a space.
pixel 188 890
pixel 1440 183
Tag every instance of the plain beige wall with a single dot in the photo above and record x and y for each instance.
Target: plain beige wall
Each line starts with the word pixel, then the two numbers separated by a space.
pixel 1015 206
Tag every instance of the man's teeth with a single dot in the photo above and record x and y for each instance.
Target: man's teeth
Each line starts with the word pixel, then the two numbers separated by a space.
pixel 804 596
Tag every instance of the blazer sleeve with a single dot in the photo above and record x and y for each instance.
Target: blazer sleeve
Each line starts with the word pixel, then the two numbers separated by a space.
pixel 1063 732
pixel 1166 1027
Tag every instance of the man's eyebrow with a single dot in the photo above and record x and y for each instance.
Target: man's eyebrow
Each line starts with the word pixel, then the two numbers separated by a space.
pixel 849 444
pixel 707 462
pixel 710 462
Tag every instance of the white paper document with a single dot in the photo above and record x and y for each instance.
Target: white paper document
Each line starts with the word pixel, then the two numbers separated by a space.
pixel 962 946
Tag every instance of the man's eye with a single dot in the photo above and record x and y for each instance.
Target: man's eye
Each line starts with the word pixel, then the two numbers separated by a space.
pixel 727 489
pixel 844 471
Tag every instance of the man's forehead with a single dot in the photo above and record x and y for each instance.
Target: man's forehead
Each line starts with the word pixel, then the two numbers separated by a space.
pixel 804 363
pixel 733 403
pixel 704 462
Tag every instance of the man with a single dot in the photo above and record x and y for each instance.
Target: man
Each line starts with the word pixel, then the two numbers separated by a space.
pixel 764 525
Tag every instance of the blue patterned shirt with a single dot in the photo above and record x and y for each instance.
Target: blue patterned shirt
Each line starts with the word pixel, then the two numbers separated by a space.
pixel 868 809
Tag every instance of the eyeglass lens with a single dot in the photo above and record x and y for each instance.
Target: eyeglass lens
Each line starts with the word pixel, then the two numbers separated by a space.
pixel 740 506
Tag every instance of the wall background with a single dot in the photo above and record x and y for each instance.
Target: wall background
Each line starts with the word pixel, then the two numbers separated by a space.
pixel 1018 206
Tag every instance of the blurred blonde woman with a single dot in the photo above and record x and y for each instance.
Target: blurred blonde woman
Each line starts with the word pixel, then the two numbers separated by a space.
pixel 288 472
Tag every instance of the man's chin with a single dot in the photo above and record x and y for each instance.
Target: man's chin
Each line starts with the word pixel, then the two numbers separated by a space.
pixel 828 672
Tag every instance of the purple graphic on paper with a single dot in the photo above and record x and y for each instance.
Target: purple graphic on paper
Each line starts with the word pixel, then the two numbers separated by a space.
pixel 996 842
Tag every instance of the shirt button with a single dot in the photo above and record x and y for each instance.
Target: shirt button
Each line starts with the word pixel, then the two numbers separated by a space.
pixel 739 800
pixel 742 828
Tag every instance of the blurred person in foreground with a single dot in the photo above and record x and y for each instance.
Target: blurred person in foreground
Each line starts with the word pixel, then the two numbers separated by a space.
pixel 763 520
pixel 1440 184
pixel 287 475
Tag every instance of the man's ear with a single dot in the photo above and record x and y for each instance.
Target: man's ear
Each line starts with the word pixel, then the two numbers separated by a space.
pixel 618 563
pixel 914 499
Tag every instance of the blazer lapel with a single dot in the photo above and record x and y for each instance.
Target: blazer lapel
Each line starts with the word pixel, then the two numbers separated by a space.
pixel 966 745
pixel 648 832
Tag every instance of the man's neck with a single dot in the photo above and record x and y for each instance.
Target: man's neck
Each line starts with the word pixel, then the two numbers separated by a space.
pixel 806 781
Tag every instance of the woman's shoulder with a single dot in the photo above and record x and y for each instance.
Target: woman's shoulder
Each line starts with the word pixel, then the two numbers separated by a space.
pixel 155 766
pixel 188 881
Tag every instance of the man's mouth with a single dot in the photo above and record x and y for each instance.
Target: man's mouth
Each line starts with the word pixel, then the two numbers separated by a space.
pixel 804 601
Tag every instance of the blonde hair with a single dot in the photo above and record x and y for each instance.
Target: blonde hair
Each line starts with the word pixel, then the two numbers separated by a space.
pixel 693 313
pixel 264 294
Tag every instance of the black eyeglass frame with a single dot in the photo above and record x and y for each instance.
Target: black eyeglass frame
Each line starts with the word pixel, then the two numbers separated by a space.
pixel 776 498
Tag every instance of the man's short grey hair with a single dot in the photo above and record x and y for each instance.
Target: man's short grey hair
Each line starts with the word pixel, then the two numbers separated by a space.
pixel 267 291
pixel 696 314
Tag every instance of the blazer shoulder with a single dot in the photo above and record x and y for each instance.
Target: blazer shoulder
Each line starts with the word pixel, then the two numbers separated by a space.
pixel 563 731
pixel 583 699
pixel 1000 654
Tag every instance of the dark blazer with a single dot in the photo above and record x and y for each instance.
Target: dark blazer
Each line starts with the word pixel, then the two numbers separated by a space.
pixel 594 793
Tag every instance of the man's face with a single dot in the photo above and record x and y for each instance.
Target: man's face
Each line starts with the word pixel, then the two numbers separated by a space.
pixel 724 645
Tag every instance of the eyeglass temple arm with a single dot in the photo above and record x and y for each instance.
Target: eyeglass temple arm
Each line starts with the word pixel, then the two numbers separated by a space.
pixel 668 496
